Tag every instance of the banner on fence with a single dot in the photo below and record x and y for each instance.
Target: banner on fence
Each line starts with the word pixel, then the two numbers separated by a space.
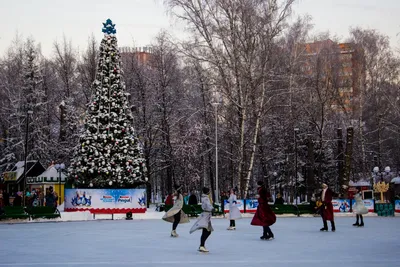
pixel 117 200
pixel 251 205
pixel 341 205
pixel 397 205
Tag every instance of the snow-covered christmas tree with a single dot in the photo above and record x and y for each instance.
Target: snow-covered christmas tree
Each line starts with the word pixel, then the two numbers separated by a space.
pixel 108 152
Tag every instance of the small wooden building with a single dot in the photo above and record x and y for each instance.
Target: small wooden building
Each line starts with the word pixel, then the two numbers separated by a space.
pixel 50 177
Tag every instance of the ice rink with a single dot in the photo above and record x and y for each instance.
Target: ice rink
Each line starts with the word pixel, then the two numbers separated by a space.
pixel 298 242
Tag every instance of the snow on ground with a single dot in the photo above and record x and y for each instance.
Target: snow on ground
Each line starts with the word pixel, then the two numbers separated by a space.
pixel 148 243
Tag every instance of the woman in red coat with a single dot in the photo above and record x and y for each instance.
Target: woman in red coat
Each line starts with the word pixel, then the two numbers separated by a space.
pixel 327 208
pixel 264 216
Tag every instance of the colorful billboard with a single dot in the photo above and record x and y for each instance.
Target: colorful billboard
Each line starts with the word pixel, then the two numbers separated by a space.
pixel 113 200
pixel 397 205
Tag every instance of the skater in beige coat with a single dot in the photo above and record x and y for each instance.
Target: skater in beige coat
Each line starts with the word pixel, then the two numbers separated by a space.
pixel 176 215
pixel 204 221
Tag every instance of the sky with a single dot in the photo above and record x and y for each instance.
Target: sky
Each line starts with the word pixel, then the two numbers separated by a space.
pixel 139 21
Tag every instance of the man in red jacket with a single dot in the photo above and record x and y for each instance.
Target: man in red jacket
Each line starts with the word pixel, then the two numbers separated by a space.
pixel 327 208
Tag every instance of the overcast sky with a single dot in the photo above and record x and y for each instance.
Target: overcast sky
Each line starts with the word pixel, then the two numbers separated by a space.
pixel 139 21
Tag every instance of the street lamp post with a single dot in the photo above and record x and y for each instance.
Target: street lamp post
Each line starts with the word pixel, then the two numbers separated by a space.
pixel 296 130
pixel 59 168
pixel 216 104
pixel 28 112
pixel 386 172
pixel 275 174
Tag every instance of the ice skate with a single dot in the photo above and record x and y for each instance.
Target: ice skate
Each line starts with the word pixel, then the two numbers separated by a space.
pixel 203 249
pixel 231 228
pixel 356 224
pixel 174 234
pixel 361 225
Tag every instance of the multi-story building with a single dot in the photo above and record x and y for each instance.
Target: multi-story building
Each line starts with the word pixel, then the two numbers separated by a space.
pixel 338 66
pixel 142 54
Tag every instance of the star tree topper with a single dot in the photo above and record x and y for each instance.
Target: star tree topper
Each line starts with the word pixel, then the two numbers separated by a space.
pixel 109 27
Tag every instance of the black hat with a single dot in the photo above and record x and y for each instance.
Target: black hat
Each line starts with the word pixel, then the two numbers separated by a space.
pixel 178 187
pixel 205 190
pixel 260 183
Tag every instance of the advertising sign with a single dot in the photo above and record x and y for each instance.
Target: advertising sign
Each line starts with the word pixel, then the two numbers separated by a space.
pixel 369 204
pixel 341 205
pixel 251 205
pixel 10 176
pixel 108 199
pixel 397 205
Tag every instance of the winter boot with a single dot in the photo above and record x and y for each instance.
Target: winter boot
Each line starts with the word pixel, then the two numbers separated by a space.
pixel 325 228
pixel 203 249
pixel 333 226
pixel 174 234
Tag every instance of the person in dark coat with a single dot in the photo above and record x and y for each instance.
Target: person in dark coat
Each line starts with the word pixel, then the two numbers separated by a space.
pixel 193 198
pixel 18 199
pixel 264 216
pixel 51 198
pixel 327 208
pixel 6 199
pixel 279 200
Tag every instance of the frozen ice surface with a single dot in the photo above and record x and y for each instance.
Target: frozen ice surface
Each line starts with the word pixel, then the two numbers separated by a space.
pixel 298 242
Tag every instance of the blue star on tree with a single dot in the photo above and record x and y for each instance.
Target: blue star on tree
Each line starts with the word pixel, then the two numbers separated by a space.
pixel 109 27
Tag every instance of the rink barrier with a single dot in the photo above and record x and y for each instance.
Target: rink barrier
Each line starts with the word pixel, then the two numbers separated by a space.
pixel 397 205
pixel 384 209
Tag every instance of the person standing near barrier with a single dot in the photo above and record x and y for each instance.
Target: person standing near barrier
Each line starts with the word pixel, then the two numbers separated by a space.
pixel 327 208
pixel 264 216
pixel 234 212
pixel 204 220
pixel 176 215
pixel 359 209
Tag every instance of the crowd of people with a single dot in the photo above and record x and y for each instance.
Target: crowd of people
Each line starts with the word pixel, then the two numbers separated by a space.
pixel 33 198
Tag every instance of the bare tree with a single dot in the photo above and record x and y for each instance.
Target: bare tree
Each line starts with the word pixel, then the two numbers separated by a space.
pixel 235 39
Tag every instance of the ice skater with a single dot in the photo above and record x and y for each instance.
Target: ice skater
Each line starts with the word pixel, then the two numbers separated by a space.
pixel 359 209
pixel 234 212
pixel 204 221
pixel 176 215
pixel 264 216
pixel 327 208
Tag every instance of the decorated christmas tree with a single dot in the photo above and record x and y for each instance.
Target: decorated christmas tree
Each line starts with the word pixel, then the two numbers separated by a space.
pixel 108 152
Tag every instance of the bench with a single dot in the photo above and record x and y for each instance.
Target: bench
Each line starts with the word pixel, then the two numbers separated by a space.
pixel 43 212
pixel 17 212
pixel 189 210
pixel 284 209
pixel 305 209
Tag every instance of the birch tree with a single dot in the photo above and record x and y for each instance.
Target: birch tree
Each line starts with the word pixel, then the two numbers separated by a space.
pixel 235 38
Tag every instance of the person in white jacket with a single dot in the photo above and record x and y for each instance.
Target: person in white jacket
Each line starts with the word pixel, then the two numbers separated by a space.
pixel 234 212
pixel 204 220
pixel 359 209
